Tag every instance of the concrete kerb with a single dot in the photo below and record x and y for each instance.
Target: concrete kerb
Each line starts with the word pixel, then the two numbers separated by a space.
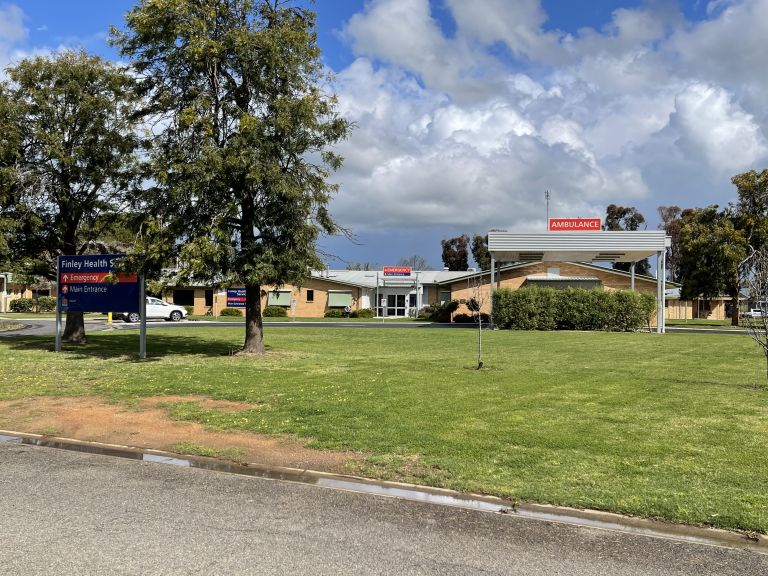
pixel 440 496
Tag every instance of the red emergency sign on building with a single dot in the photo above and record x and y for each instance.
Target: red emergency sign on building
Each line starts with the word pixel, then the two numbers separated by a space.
pixel 397 270
pixel 575 224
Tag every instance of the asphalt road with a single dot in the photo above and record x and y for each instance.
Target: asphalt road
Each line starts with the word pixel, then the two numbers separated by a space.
pixel 46 327
pixel 72 513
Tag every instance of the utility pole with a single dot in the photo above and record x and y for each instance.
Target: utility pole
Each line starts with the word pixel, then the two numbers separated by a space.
pixel 546 197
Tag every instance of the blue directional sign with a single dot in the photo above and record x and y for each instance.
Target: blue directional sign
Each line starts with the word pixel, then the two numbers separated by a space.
pixel 91 284
pixel 236 298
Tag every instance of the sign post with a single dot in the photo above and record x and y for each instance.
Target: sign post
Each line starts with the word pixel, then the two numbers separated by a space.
pixel 57 346
pixel 143 321
pixel 91 284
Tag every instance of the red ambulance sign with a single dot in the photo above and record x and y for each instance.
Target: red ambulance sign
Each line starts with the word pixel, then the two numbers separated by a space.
pixel 575 224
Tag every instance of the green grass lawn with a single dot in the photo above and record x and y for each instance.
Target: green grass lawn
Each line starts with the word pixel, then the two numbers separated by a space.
pixel 671 426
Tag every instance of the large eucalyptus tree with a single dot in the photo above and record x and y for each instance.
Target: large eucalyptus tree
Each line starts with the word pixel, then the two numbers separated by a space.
pixel 244 141
pixel 68 143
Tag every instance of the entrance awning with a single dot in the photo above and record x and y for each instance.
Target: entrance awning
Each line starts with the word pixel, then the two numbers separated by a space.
pixel 585 247
pixel 577 246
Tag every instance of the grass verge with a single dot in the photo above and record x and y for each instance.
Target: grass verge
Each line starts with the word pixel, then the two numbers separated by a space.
pixel 666 426
pixel 191 448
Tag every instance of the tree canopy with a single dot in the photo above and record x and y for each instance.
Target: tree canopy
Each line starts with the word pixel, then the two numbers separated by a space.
pixel 480 252
pixel 712 249
pixel 630 219
pixel 243 153
pixel 416 262
pixel 671 222
pixel 67 160
pixel 456 253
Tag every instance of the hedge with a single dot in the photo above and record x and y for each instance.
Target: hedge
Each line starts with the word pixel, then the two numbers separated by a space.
pixel 22 305
pixel 439 311
pixel 275 312
pixel 362 313
pixel 230 312
pixel 534 308
pixel 42 304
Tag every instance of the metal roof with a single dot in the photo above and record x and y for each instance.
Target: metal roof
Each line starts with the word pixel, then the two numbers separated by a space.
pixel 368 278
pixel 577 246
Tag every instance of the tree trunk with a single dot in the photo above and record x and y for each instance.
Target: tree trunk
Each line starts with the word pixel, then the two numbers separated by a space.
pixel 254 328
pixel 735 311
pixel 74 329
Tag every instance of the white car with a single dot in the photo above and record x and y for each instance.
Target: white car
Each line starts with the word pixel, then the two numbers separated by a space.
pixel 156 309
pixel 754 313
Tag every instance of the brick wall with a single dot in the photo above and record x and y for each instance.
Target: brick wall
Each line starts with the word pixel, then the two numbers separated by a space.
pixel 304 308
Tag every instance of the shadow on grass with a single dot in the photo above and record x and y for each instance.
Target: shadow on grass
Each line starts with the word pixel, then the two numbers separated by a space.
pixel 125 346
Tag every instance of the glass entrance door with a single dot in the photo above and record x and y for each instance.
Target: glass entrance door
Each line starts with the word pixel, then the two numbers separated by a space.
pixel 395 304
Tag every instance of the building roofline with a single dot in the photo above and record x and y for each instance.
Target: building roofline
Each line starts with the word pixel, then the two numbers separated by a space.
pixel 588 265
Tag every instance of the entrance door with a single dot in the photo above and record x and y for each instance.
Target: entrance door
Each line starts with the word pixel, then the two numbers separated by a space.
pixel 395 304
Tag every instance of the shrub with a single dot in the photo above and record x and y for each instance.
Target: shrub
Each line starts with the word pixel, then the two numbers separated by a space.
pixel 46 304
pixel 230 312
pixel 648 306
pixel 464 319
pixel 22 305
pixel 189 309
pixel 549 304
pixel 524 309
pixel 334 313
pixel 362 313
pixel 425 313
pixel 533 308
pixel 275 312
pixel 441 311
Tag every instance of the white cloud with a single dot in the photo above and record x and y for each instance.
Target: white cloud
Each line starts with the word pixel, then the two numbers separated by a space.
pixel 12 27
pixel 712 125
pixel 404 34
pixel 646 110
pixel 12 32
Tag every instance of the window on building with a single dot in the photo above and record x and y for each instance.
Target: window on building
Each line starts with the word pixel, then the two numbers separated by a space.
pixel 279 298
pixel 184 297
pixel 310 295
pixel 445 295
pixel 339 298
pixel 209 297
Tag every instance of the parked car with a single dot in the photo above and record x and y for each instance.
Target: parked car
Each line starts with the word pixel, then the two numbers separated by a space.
pixel 754 313
pixel 156 309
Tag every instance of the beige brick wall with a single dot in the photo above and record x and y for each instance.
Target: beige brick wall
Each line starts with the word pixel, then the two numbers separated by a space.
pixel 304 308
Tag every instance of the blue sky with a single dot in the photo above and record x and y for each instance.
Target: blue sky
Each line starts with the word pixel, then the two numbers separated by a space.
pixel 468 110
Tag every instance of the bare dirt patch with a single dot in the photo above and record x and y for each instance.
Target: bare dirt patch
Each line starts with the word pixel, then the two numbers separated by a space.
pixel 148 426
